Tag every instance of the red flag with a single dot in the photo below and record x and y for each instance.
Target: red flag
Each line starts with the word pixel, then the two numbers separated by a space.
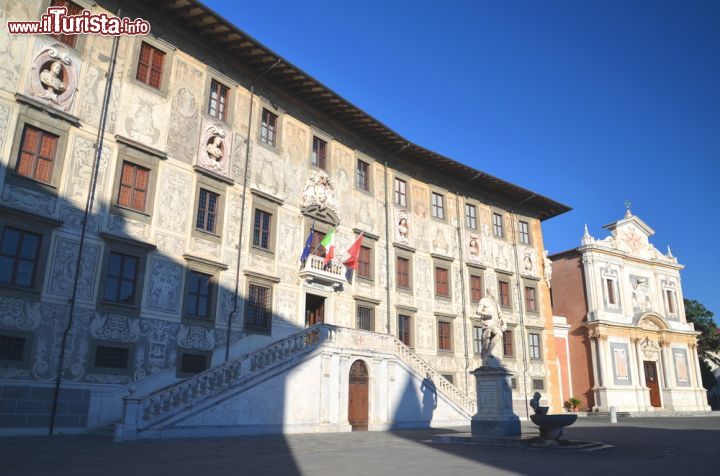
pixel 354 252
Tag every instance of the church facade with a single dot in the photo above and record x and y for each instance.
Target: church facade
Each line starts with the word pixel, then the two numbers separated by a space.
pixel 629 345
pixel 174 247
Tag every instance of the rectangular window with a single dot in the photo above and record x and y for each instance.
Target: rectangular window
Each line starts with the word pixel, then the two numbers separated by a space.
pixel 150 65
pixel 133 189
pixel 504 293
pixel 438 205
pixel 218 104
pixel 193 363
pixel 107 357
pixel 538 384
pixel 524 232
pixel 12 348
pixel 449 377
pixel 319 153
pixel 402 269
pixel 508 350
pixel 72 9
pixel 261 229
pixel 362 176
pixel 121 279
pixel 498 225
pixel 534 342
pixel 364 263
pixel 258 310
pixel 477 339
pixel 476 292
pixel 207 211
pixel 610 285
pixel 19 253
pixel 442 287
pixel 268 128
pixel 366 317
pixel 444 341
pixel 513 383
pixel 470 216
pixel 400 192
pixel 37 154
pixel 530 299
pixel 404 329
pixel 197 295
pixel 671 301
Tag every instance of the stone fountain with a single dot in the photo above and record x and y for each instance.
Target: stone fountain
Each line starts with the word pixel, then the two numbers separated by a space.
pixel 551 426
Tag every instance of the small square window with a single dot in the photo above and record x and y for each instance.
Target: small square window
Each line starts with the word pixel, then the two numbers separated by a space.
pixel 191 364
pixel 150 65
pixel 442 284
pixel 12 348
pixel 207 211
pixel 470 216
pixel 530 299
pixel 538 384
pixel 258 308
pixel 72 10
pixel 400 192
pixel 365 263
pixel 37 154
pixel 404 334
pixel 504 293
pixel 19 255
pixel 197 294
pixel 134 182
pixel 438 206
pixel 444 336
pixel 261 229
pixel 534 343
pixel 524 233
pixel 362 175
pixel 218 101
pixel 268 128
pixel 498 229
pixel 121 279
pixel 365 317
pixel 107 357
pixel 319 153
pixel 449 377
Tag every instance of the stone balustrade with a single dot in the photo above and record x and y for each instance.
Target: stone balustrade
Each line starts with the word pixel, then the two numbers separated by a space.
pixel 314 267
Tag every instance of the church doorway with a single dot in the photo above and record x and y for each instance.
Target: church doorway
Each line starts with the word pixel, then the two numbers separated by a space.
pixel 358 396
pixel 314 309
pixel 651 380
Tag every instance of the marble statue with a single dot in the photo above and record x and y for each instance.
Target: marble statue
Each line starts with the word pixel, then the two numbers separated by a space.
pixel 50 78
pixel 403 229
pixel 214 148
pixel 547 267
pixel 493 327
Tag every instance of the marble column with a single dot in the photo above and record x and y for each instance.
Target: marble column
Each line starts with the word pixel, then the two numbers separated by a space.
pixel 641 373
pixel 665 365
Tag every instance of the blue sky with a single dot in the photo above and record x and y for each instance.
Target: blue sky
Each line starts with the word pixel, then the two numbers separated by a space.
pixel 588 102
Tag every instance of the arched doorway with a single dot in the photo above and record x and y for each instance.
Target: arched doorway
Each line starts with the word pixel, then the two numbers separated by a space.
pixel 358 396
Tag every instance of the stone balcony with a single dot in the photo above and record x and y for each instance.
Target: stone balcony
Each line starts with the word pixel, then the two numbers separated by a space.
pixel 331 275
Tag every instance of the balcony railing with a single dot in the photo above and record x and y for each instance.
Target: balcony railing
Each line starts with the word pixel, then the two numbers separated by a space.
pixel 333 273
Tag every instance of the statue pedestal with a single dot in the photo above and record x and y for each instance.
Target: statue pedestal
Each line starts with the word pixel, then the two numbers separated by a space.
pixel 495 415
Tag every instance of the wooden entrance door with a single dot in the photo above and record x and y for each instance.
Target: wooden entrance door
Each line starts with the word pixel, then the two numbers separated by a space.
pixel 314 309
pixel 358 397
pixel 652 382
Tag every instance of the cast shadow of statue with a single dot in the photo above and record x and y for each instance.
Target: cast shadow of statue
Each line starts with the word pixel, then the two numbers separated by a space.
pixel 429 399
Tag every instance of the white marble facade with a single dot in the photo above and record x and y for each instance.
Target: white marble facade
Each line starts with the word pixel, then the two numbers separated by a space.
pixel 644 352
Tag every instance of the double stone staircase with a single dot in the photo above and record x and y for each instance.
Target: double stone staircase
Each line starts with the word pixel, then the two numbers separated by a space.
pixel 150 415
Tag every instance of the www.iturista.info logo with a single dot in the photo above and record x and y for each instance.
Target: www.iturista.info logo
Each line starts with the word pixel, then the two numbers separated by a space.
pixel 57 21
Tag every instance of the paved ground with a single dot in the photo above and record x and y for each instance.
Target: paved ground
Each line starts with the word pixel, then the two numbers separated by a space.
pixel 657 446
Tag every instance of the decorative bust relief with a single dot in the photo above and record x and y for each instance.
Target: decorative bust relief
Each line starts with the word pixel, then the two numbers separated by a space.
pixel 402 228
pixel 474 251
pixel 53 76
pixel 640 293
pixel 214 148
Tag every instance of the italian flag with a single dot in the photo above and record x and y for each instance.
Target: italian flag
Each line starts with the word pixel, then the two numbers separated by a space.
pixel 329 243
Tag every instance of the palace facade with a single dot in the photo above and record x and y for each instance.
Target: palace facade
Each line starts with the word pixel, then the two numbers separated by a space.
pixel 628 343
pixel 192 164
